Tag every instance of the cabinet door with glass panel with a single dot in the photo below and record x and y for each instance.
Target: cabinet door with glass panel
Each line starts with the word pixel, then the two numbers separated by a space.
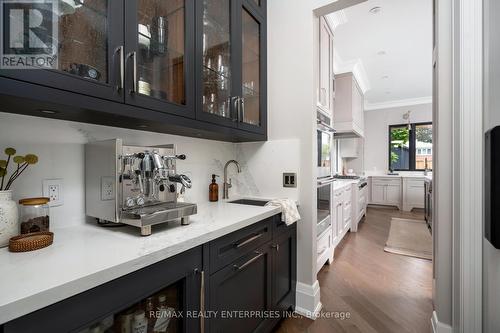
pixel 230 54
pixel 159 59
pixel 83 38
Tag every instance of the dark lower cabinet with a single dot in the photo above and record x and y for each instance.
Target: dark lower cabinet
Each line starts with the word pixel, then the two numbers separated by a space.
pixel 240 292
pixel 284 268
pixel 175 282
pixel 247 294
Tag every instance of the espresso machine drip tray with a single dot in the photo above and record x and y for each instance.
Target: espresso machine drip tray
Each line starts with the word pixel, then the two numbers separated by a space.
pixel 145 217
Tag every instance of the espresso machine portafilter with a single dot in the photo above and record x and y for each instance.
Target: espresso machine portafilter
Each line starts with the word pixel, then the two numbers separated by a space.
pixel 135 185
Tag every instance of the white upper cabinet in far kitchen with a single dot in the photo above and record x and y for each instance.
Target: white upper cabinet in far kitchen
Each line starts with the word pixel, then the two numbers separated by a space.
pixel 325 94
pixel 349 106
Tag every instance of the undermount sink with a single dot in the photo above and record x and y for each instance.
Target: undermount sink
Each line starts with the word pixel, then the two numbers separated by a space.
pixel 250 202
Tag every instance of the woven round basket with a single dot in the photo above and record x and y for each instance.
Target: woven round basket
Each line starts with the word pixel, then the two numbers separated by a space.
pixel 31 242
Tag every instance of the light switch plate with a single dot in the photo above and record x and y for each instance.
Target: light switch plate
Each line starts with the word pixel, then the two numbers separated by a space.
pixel 53 189
pixel 289 179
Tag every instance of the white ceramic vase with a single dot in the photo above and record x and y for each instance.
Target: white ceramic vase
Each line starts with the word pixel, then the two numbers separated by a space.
pixel 9 226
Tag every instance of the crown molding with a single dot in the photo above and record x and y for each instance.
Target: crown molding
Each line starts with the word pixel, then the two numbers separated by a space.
pixel 335 19
pixel 354 66
pixel 398 103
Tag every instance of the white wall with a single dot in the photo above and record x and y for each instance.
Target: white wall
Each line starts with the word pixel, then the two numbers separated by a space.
pixel 376 149
pixel 60 147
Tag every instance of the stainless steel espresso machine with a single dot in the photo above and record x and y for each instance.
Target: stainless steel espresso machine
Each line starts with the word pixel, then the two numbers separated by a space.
pixel 134 185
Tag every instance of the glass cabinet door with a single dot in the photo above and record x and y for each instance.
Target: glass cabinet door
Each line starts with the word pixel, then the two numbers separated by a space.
pixel 85 37
pixel 157 56
pixel 252 70
pixel 216 61
pixel 159 312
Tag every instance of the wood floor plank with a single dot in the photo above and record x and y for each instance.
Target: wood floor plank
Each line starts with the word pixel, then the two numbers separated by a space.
pixel 383 292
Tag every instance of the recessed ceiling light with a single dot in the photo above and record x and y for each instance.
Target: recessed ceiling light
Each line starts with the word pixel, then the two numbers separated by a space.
pixel 375 10
pixel 49 111
pixel 381 53
pixel 385 77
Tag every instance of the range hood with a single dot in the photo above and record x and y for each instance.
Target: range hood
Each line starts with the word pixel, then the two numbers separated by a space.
pixel 348 117
pixel 347 130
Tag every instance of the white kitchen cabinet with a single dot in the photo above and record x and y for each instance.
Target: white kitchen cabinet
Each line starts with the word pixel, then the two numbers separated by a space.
pixel 348 117
pixel 378 193
pixel 326 78
pixel 386 191
pixel 413 193
pixel 325 249
pixel 338 213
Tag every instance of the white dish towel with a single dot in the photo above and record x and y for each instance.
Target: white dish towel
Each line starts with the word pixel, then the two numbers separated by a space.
pixel 289 212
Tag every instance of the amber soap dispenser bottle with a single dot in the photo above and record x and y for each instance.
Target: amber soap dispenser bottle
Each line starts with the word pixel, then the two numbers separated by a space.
pixel 213 190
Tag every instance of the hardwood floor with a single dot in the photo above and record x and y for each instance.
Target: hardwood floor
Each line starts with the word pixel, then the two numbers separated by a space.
pixel 382 292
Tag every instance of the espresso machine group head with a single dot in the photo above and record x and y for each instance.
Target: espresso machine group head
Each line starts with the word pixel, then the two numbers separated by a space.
pixel 135 185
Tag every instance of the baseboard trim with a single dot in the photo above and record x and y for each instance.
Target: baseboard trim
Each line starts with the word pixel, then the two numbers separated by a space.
pixel 308 302
pixel 438 327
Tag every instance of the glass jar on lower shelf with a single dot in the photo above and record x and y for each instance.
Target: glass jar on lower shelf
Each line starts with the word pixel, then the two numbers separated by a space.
pixel 34 213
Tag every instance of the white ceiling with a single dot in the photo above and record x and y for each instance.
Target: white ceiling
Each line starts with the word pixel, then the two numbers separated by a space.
pixel 403 30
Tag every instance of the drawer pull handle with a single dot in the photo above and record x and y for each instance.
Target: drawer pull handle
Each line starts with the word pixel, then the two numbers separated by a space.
pixel 249 262
pixel 247 241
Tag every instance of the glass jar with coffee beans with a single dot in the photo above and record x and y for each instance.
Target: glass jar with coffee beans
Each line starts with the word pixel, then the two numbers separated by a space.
pixel 34 214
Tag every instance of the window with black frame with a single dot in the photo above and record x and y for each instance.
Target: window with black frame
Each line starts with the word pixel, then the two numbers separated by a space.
pixel 410 147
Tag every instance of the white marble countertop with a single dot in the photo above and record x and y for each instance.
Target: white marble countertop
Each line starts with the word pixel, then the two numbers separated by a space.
pixel 342 183
pixel 86 256
pixel 401 175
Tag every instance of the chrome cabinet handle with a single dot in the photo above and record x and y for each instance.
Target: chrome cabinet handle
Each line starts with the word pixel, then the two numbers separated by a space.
pixel 239 268
pixel 322 251
pixel 242 109
pixel 249 240
pixel 276 246
pixel 234 105
pixel 119 51
pixel 133 55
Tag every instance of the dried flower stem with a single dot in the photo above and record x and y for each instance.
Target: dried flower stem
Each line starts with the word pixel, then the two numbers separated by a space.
pixel 16 174
pixel 3 177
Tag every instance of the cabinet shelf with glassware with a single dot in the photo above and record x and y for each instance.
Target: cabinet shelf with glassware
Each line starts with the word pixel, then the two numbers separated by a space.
pixel 194 68
pixel 231 43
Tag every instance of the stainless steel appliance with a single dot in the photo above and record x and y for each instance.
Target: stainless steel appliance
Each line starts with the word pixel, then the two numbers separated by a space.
pixel 134 185
pixel 325 144
pixel 428 202
pixel 324 205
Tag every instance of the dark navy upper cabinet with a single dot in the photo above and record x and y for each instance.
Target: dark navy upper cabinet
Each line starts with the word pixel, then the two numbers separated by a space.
pixel 89 40
pixel 187 67
pixel 159 39
pixel 230 57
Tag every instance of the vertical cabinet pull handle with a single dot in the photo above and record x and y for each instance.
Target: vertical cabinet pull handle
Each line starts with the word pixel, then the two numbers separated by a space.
pixel 202 301
pixel 133 56
pixel 119 51
pixel 276 246
pixel 242 109
pixel 234 106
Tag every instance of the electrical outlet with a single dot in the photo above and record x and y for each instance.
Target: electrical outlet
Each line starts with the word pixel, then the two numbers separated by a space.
pixel 107 188
pixel 53 189
pixel 289 179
